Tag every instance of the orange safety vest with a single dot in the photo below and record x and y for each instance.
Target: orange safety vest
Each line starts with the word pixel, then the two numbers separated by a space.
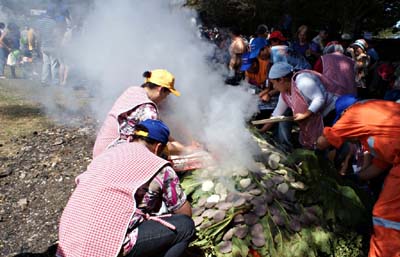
pixel 376 124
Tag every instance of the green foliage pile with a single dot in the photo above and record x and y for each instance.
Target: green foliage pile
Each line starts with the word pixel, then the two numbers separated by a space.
pixel 293 207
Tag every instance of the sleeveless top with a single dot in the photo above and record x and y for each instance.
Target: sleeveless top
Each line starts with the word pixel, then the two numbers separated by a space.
pixel 339 69
pixel 96 218
pixel 312 127
pixel 109 132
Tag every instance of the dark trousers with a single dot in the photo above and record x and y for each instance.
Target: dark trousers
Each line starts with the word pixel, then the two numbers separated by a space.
pixel 3 60
pixel 156 240
pixel 283 132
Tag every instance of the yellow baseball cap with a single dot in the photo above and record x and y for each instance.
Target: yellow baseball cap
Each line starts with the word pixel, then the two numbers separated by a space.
pixel 162 78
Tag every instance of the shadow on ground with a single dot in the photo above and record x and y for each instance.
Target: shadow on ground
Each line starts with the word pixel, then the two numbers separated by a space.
pixel 20 111
pixel 50 252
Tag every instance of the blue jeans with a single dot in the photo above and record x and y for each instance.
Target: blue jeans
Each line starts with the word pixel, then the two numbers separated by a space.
pixel 50 68
pixel 157 240
pixel 283 132
pixel 3 58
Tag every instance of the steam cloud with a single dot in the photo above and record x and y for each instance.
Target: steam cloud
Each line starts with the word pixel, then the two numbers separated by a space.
pixel 121 39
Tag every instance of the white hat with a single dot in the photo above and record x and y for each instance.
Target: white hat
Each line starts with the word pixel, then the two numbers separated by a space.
pixel 279 70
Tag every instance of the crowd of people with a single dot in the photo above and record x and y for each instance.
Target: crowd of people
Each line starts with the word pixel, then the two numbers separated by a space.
pixel 344 101
pixel 129 201
pixel 38 47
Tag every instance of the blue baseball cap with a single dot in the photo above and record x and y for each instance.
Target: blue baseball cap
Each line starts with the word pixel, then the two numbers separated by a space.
pixel 280 70
pixel 257 44
pixel 156 130
pixel 342 103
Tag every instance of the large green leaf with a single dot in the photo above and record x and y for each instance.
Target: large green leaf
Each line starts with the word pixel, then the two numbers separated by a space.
pixel 240 248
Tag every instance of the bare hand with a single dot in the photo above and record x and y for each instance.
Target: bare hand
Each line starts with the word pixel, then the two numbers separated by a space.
pixel 194 147
pixel 264 95
pixel 266 127
pixel 300 116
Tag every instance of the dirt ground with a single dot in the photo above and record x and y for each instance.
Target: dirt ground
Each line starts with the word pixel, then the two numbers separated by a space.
pixel 39 160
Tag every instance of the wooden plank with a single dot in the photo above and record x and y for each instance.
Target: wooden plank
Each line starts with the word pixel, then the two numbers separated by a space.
pixel 272 120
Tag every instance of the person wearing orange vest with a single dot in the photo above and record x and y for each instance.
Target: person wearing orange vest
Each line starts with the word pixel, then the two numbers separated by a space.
pixel 113 209
pixel 376 125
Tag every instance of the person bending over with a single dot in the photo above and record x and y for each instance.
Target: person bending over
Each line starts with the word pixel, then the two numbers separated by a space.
pixel 112 211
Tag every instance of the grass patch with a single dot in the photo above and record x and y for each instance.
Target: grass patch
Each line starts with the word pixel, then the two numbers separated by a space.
pixel 18 116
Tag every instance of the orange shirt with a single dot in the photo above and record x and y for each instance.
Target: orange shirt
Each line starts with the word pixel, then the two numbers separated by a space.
pixel 376 124
pixel 259 78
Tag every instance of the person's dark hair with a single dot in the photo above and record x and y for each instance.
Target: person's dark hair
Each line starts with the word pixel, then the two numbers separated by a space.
pixel 147 74
pixel 261 30
pixel 255 62
pixel 235 31
pixel 289 75
pixel 2 25
pixel 149 85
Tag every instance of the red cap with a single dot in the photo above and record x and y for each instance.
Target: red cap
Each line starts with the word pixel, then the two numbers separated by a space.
pixel 277 34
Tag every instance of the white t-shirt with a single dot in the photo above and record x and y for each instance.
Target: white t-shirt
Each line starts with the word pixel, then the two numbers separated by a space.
pixel 315 94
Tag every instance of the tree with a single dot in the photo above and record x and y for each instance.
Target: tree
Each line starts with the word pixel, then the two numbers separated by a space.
pixel 352 16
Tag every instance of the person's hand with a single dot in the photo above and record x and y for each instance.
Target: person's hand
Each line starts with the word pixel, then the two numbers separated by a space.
pixel 301 116
pixel 344 166
pixel 194 147
pixel 265 128
pixel 264 95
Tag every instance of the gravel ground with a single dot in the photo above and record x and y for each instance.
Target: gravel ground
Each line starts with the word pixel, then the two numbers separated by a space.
pixel 36 183
pixel 39 161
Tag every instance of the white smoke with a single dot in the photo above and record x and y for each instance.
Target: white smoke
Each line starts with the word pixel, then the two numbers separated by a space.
pixel 4 14
pixel 122 39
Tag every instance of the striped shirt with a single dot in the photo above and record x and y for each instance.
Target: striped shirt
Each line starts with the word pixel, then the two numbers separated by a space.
pixel 49 33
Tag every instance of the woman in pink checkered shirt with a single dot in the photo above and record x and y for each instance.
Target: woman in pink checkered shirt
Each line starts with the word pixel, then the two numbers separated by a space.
pixel 113 210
